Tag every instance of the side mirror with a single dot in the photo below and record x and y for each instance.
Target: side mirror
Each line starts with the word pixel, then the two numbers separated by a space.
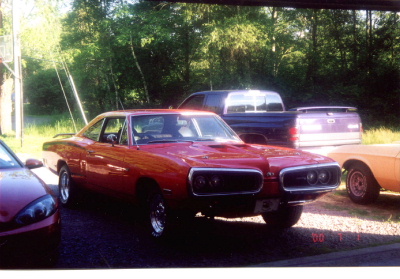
pixel 111 138
pixel 33 164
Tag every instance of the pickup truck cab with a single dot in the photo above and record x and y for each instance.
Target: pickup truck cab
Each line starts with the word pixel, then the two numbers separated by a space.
pixel 260 117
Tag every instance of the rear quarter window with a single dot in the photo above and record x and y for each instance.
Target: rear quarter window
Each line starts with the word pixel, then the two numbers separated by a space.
pixel 93 132
pixel 213 103
pixel 194 102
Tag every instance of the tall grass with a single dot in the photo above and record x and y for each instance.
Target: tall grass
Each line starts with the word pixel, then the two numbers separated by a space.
pixel 35 135
pixel 381 135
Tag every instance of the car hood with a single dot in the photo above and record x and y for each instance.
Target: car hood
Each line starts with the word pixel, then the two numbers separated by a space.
pixel 237 155
pixel 18 188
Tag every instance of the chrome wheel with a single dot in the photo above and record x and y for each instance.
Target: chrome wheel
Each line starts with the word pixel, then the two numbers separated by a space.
pixel 158 215
pixel 357 183
pixel 69 193
pixel 361 184
pixel 64 186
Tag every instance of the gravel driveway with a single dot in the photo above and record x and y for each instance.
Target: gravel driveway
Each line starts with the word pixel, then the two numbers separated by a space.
pixel 104 234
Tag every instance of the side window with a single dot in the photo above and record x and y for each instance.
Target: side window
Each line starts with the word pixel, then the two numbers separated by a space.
pixel 195 102
pixel 113 126
pixel 94 131
pixel 213 103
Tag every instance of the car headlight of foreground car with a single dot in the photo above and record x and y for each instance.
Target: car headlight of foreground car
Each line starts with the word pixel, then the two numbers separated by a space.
pixel 314 177
pixel 37 211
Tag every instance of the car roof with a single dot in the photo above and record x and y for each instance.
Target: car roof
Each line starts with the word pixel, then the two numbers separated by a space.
pixel 154 111
pixel 221 92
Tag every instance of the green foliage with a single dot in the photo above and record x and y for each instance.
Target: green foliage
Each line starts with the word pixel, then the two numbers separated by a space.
pixel 44 93
pixel 128 54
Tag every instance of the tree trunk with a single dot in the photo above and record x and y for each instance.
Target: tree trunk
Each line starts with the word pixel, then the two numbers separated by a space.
pixel 5 104
pixel 5 95
pixel 146 91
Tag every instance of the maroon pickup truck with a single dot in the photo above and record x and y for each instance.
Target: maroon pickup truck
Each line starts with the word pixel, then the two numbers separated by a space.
pixel 260 117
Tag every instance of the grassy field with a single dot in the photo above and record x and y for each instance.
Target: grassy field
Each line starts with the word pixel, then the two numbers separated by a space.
pixel 381 135
pixel 36 134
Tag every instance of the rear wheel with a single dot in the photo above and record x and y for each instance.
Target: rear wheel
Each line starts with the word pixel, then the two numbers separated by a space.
pixel 285 217
pixel 361 184
pixel 67 189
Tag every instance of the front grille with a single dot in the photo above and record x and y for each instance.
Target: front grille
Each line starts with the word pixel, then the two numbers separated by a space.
pixel 215 181
pixel 319 177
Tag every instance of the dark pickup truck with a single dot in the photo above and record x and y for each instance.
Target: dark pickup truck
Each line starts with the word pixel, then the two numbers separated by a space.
pixel 260 117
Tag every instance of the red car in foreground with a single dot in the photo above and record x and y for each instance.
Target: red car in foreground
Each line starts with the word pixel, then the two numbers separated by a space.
pixel 29 216
pixel 177 163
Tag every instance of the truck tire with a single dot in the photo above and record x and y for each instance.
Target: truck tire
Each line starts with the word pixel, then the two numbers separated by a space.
pixel 285 217
pixel 361 184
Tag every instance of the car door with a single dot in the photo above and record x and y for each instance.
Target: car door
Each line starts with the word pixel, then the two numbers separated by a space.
pixel 106 169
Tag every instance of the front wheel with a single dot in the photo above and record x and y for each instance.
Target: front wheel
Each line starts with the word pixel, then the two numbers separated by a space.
pixel 67 189
pixel 285 217
pixel 158 221
pixel 361 184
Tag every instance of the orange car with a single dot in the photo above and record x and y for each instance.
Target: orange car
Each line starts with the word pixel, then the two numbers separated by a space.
pixel 177 163
pixel 29 216
pixel 370 168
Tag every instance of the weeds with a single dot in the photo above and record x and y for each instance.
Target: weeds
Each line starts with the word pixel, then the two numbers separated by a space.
pixel 35 135
pixel 381 135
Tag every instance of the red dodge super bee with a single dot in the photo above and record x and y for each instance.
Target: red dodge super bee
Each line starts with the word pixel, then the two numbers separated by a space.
pixel 175 163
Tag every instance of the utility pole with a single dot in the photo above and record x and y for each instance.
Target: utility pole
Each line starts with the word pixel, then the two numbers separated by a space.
pixel 18 100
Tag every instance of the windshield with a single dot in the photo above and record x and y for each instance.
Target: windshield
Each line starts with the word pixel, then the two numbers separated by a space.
pixel 6 159
pixel 176 127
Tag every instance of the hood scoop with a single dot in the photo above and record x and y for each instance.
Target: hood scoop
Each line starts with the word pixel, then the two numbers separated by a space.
pixel 218 146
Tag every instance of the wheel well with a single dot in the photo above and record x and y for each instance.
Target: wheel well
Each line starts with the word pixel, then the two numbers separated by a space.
pixel 60 164
pixel 144 186
pixel 349 163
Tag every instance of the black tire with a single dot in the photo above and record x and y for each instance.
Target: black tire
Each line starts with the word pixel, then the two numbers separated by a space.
pixel 158 219
pixel 285 217
pixel 68 191
pixel 361 184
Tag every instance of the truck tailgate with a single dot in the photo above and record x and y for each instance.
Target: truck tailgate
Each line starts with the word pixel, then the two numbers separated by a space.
pixel 339 128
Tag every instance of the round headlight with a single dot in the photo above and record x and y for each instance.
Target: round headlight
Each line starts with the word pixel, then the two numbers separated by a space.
pixel 199 182
pixel 312 177
pixel 324 176
pixel 216 181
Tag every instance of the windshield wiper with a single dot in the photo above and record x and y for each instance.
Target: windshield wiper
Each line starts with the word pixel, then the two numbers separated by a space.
pixel 205 139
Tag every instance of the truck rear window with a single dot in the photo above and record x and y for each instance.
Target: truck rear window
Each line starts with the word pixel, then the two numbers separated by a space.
pixel 244 102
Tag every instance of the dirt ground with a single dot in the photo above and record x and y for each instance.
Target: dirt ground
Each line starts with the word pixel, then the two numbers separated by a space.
pixel 386 208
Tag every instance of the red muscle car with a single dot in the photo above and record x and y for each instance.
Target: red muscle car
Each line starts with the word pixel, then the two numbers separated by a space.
pixel 176 163
pixel 30 229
